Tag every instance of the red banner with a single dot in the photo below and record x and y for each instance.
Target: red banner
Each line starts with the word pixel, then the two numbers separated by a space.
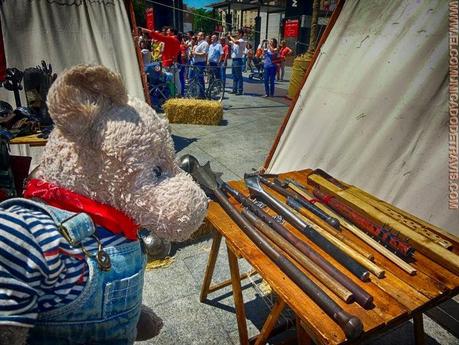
pixel 291 27
pixel 150 19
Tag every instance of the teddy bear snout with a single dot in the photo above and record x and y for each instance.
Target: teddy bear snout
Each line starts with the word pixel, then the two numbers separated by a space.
pixel 173 207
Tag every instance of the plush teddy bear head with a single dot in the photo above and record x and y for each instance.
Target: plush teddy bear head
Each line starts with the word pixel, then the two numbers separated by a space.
pixel 116 150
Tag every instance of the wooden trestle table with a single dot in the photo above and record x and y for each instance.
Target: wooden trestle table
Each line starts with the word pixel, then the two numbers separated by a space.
pixel 398 296
pixel 31 140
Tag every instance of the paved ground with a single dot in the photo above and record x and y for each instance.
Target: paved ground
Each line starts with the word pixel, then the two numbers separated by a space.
pixel 238 145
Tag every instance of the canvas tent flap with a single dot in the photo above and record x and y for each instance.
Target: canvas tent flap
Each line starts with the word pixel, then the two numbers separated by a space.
pixel 374 112
pixel 66 33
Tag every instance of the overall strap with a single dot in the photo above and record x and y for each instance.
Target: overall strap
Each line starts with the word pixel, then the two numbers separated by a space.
pixel 73 226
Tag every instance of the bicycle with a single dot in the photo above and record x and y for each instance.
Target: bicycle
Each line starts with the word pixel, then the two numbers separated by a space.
pixel 158 85
pixel 214 91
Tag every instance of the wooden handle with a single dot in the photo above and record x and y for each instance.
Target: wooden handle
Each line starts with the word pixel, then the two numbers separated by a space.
pixel 351 325
pixel 369 265
pixel 352 265
pixel 284 245
pixel 438 233
pixel 326 226
pixel 413 224
pixel 361 296
pixel 363 236
pixel 420 242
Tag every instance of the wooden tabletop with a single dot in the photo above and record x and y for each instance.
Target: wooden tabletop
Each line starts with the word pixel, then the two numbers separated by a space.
pixel 397 297
pixel 32 140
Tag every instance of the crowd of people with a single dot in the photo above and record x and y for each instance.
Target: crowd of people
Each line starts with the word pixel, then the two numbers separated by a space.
pixel 177 52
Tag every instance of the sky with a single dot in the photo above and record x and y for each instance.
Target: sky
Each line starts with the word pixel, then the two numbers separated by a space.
pixel 199 3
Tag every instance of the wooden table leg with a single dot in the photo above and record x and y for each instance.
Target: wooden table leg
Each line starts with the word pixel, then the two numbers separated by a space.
pixel 210 266
pixel 270 322
pixel 419 336
pixel 237 295
pixel 303 338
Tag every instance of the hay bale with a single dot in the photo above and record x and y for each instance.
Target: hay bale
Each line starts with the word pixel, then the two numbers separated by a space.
pixel 159 263
pixel 300 65
pixel 193 111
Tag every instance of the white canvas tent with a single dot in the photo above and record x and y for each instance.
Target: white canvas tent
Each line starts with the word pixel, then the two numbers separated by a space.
pixel 65 33
pixel 374 108
pixel 69 32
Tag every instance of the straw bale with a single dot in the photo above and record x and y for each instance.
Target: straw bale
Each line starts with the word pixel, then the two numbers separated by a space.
pixel 193 111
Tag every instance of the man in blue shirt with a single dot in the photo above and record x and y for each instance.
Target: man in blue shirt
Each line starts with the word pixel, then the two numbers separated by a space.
pixel 214 57
pixel 199 52
pixel 237 52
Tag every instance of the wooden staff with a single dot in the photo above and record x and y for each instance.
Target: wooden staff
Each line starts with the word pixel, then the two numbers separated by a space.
pixel 323 225
pixel 413 224
pixel 359 233
pixel 253 184
pixel 350 324
pixel 302 259
pixel 277 186
pixel 380 232
pixel 361 296
pixel 434 229
pixel 411 221
pixel 420 242
pixel 311 211
pixel 371 266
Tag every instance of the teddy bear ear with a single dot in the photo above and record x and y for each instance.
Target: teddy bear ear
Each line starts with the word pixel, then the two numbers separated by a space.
pixel 80 93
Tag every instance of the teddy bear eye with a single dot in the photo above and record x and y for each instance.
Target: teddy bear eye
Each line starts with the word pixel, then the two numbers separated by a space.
pixel 157 170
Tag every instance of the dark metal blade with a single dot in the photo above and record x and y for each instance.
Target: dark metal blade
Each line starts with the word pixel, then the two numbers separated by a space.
pixel 202 174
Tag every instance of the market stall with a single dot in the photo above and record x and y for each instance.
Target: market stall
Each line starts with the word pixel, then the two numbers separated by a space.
pixel 372 112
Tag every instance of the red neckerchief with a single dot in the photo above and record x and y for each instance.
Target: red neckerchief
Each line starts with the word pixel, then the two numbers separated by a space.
pixel 104 215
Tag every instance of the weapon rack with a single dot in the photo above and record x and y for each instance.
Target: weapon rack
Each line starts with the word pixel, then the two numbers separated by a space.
pixel 398 297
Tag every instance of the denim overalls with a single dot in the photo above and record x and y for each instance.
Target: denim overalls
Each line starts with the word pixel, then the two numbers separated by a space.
pixel 108 308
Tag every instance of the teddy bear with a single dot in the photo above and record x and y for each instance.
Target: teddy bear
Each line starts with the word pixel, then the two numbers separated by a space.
pixel 72 251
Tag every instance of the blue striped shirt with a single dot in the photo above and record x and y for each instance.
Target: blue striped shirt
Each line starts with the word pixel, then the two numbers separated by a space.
pixel 39 270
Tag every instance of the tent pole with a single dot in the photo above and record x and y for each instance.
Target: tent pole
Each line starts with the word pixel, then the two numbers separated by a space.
pixel 322 40
pixel 130 9
pixel 267 22
pixel 2 57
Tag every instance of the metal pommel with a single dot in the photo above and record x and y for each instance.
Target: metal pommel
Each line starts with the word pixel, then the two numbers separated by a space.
pixel 351 325
pixel 202 174
pixel 188 163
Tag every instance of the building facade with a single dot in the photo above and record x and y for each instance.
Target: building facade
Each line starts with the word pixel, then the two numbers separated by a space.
pixel 280 19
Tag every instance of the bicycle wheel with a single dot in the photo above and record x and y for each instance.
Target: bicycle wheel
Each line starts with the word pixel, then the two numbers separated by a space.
pixel 216 91
pixel 163 95
pixel 193 90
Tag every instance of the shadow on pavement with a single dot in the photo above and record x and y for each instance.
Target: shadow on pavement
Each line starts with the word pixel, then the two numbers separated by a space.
pixel 181 142
pixel 258 107
pixel 447 316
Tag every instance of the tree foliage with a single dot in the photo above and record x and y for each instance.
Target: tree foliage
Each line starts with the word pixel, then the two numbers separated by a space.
pixel 203 20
